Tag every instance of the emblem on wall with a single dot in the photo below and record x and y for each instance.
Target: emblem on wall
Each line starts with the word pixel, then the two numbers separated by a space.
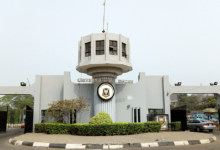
pixel 163 119
pixel 106 91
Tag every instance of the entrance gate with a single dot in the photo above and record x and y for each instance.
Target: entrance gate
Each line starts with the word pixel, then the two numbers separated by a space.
pixel 3 120
pixel 29 120
pixel 179 114
pixel 218 113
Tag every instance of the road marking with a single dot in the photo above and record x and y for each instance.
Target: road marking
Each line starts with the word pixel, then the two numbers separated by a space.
pixel 115 146
pixel 153 144
pixel 145 144
pixel 178 143
pixel 38 144
pixel 75 146
pixel 214 137
pixel 18 142
pixel 204 141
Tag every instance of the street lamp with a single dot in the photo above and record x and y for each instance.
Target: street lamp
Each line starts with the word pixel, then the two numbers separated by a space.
pixel 22 84
pixel 178 84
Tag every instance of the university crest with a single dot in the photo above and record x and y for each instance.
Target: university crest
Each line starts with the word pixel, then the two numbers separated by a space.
pixel 106 92
pixel 162 121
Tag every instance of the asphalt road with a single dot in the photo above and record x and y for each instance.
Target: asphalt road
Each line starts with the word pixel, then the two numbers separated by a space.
pixel 4 145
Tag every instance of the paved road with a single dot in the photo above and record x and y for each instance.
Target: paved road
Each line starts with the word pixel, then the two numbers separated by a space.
pixel 4 137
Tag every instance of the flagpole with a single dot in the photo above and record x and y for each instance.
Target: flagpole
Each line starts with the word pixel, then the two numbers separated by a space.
pixel 104 17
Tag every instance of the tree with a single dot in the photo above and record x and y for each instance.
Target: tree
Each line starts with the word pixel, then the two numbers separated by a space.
pixel 209 102
pixel 172 106
pixel 9 115
pixel 16 116
pixel 17 101
pixel 63 108
pixel 20 102
pixel 194 102
pixel 191 102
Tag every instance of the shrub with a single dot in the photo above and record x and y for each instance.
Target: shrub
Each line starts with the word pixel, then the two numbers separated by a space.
pixel 52 128
pixel 175 126
pixel 119 128
pixel 101 118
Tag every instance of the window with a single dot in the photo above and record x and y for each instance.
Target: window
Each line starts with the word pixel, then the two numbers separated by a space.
pixel 135 120
pixel 43 113
pixel 136 114
pixel 88 49
pixel 152 113
pixel 139 115
pixel 196 121
pixel 113 47
pixel 124 50
pixel 100 47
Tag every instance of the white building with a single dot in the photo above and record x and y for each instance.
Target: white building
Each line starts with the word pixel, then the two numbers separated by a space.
pixel 106 56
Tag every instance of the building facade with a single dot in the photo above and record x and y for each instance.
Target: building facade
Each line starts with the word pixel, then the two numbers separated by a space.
pixel 104 57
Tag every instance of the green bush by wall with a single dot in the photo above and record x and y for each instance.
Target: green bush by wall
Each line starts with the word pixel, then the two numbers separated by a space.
pixel 101 118
pixel 175 126
pixel 120 128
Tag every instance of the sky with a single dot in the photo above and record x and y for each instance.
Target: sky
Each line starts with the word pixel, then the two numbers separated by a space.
pixel 167 37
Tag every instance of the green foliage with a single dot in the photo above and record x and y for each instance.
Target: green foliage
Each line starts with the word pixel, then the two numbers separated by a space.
pixel 101 118
pixel 16 116
pixel 175 126
pixel 18 102
pixel 172 106
pixel 9 115
pixel 195 103
pixel 120 128
pixel 52 128
pixel 209 102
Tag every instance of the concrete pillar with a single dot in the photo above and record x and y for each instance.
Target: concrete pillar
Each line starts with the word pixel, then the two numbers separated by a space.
pixel 79 52
pixel 218 101
pixel 128 51
pixel 166 96
pixel 106 47
pixel 93 47
pixel 120 47
pixel 37 101
pixel 82 50
pixel 108 106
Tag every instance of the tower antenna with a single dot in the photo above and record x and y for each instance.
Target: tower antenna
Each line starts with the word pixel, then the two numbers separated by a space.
pixel 28 82
pixel 107 26
pixel 104 17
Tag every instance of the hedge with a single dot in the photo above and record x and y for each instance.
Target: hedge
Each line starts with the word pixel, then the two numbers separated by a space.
pixel 120 128
pixel 175 126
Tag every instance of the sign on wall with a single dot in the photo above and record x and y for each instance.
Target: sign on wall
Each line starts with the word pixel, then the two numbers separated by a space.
pixel 163 119
pixel 100 80
pixel 105 91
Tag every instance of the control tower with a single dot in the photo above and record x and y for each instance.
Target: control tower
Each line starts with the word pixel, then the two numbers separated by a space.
pixel 104 56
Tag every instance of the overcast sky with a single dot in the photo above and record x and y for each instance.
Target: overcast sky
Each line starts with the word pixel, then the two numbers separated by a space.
pixel 168 37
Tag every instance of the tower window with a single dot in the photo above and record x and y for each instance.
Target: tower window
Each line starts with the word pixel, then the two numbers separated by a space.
pixel 113 47
pixel 88 49
pixel 124 50
pixel 100 47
